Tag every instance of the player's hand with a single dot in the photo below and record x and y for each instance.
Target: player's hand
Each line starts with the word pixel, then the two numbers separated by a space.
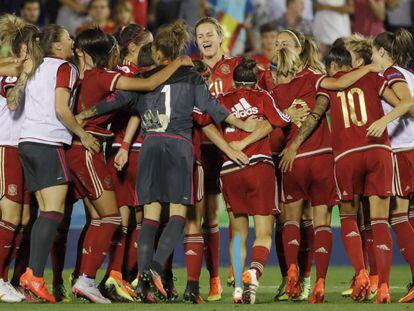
pixel 237 145
pixel 237 157
pixel 288 157
pixel 121 159
pixel 81 121
pixel 377 128
pixel 297 115
pixel 27 65
pixel 186 61
pixel 90 143
pixel 250 124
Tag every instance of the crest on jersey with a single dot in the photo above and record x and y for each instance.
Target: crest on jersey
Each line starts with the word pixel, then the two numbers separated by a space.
pixel 12 189
pixel 225 69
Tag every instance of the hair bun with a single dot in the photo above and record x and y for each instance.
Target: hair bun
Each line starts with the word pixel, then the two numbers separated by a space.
pixel 248 63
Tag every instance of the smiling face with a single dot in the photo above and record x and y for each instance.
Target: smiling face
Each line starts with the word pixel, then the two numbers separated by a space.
pixel 208 39
pixel 285 40
pixel 66 43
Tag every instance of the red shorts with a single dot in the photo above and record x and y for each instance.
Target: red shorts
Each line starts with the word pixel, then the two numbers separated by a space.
pixel 90 173
pixel 404 173
pixel 251 190
pixel 212 160
pixel 198 181
pixel 125 181
pixel 366 172
pixel 11 176
pixel 311 179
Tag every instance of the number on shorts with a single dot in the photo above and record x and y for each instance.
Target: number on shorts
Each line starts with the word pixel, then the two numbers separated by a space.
pixel 348 107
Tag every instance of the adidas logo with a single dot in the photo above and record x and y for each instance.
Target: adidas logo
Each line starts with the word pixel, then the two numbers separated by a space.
pixel 321 250
pixel 293 242
pixel 407 188
pixel 383 247
pixel 352 234
pixel 243 109
pixel 402 250
pixel 190 252
pixel 135 245
pixel 289 197
pixel 36 285
pixel 344 193
pixel 85 251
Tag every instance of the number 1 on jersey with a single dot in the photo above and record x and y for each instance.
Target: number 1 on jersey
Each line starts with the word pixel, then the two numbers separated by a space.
pixel 167 90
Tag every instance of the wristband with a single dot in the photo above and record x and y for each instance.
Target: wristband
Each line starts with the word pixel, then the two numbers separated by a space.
pixel 125 145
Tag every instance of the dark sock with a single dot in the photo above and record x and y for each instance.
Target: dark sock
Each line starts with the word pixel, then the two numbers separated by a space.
pixel 169 239
pixel 146 243
pixel 43 234
pixel 193 286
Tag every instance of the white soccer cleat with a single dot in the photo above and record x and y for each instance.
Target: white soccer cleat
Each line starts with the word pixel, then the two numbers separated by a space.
pixel 86 288
pixel 6 294
pixel 237 295
pixel 250 285
pixel 14 291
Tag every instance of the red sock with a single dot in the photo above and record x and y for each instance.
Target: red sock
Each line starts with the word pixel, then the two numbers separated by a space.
pixel 280 252
pixel 194 250
pixel 369 246
pixel 17 240
pixel 322 249
pixel 7 233
pixel 57 256
pixel 260 254
pixel 79 249
pixel 405 236
pixel 117 251
pixel 352 241
pixel 411 216
pixel 131 253
pixel 100 244
pixel 291 242
pixel 383 248
pixel 92 230
pixel 211 236
pixel 22 256
pixel 306 248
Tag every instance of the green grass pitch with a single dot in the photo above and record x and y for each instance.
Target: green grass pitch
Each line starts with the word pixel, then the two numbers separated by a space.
pixel 338 278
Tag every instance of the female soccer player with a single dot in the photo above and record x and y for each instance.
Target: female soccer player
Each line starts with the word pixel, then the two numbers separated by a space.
pixel 251 190
pixel 393 52
pixel 47 127
pixel 96 51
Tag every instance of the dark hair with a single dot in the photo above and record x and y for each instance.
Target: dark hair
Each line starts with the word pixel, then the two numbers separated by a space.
pixel 202 69
pixel 245 72
pixel 132 33
pixel 268 27
pixel 24 2
pixel 97 44
pixel 50 34
pixel 145 56
pixel 340 55
pixel 398 45
pixel 172 40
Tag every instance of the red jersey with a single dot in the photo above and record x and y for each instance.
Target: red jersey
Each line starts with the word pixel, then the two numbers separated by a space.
pixel 353 110
pixel 302 91
pixel 265 80
pixel 262 61
pixel 119 120
pixel 221 80
pixel 96 85
pixel 200 120
pixel 244 103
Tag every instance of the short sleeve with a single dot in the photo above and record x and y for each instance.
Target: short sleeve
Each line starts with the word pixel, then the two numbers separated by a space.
pixel 317 79
pixel 273 113
pixel 108 79
pixel 7 83
pixel 67 77
pixel 201 119
pixel 393 75
pixel 322 92
pixel 205 102
pixel 381 84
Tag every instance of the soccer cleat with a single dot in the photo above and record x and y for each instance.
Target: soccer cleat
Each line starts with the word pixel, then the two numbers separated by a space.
pixel 192 295
pixel 134 283
pixel 250 286
pixel 168 283
pixel 280 292
pixel 348 291
pixel 215 289
pixel 118 287
pixel 6 295
pixel 237 295
pixel 26 293
pixel 86 288
pixel 383 295
pixel 14 291
pixel 142 292
pixel 293 282
pixel 305 289
pixel 154 280
pixel 409 297
pixel 373 289
pixel 230 278
pixel 361 286
pixel 36 286
pixel 60 294
pixel 318 295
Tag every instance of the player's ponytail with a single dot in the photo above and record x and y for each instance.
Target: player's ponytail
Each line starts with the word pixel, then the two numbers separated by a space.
pixel 132 33
pixel 309 55
pixel 398 45
pixel 285 63
pixel 360 46
pixel 172 40
pixel 245 73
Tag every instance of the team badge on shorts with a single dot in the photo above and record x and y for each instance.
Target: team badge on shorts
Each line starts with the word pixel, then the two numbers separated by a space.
pixel 12 189
pixel 108 181
pixel 225 69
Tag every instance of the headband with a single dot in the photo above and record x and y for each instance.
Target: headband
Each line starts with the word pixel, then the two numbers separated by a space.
pixel 293 35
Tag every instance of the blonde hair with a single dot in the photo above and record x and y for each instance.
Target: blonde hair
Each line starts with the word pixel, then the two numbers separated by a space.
pixel 398 45
pixel 10 25
pixel 286 62
pixel 361 46
pixel 214 22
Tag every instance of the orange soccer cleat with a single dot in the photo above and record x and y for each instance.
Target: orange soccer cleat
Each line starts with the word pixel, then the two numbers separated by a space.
pixel 361 286
pixel 383 294
pixel 154 279
pixel 409 297
pixel 318 295
pixel 373 289
pixel 215 289
pixel 36 286
pixel 293 282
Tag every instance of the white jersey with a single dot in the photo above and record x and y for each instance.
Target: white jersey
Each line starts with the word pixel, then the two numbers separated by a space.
pixel 401 130
pixel 10 121
pixel 41 124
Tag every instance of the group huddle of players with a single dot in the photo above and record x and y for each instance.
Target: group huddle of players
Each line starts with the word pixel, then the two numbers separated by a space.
pixel 148 139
